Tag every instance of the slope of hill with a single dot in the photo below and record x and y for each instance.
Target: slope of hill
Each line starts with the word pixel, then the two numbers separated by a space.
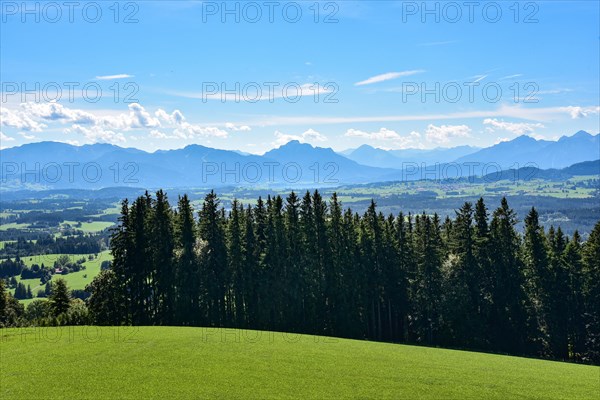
pixel 165 362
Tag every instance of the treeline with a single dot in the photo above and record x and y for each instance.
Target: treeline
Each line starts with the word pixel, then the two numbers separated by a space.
pixel 306 265
pixel 79 243
pixel 60 308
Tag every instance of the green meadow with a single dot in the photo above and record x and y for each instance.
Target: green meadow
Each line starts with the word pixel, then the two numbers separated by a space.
pixel 165 362
pixel 75 280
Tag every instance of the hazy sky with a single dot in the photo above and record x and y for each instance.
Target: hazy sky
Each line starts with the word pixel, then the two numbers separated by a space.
pixel 254 75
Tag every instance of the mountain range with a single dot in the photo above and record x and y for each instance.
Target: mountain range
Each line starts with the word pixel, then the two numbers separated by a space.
pixel 53 165
pixel 521 151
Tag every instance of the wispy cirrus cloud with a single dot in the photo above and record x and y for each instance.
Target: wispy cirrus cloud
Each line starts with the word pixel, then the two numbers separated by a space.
pixel 388 76
pixel 112 77
pixel 510 77
pixel 508 111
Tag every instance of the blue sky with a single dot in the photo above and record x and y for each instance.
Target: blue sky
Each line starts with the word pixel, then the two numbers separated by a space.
pixel 353 73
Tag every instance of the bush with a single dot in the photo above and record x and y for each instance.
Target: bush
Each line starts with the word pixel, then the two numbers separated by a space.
pixel 37 310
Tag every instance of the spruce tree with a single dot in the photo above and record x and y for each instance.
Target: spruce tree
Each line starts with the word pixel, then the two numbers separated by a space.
pixel 186 271
pixel 575 299
pixel 60 299
pixel 591 293
pixel 236 262
pixel 162 247
pixel 294 294
pixel 3 303
pixel 215 272
pixel 537 282
pixel 507 315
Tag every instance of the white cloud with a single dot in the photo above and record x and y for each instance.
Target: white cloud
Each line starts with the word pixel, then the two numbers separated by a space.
pixel 444 133
pixel 57 112
pixel 528 113
pixel 160 135
pixel 382 134
pixel 137 117
pixel 189 131
pixel 388 76
pixel 516 128
pixel 19 120
pixel 313 135
pixel 111 77
pixel 307 136
pixel 501 139
pixel 26 136
pixel 4 138
pixel 580 112
pixel 176 117
pixel 236 128
pixel 97 134
pixel 510 76
pixel 109 126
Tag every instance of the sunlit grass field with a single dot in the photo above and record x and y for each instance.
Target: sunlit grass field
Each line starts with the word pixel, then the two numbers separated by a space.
pixel 75 280
pixel 167 362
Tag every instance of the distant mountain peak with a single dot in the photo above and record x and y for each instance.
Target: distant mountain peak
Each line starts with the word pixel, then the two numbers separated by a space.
pixel 296 143
pixel 582 134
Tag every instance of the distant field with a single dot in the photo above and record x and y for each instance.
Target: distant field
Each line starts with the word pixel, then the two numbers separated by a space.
pixel 12 225
pixel 75 280
pixel 3 243
pixel 90 227
pixel 166 362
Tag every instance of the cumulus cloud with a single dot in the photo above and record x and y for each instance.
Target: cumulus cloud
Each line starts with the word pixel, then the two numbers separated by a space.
pixel 156 134
pixel 307 136
pixel 188 131
pixel 387 76
pixel 236 128
pixel 394 138
pixel 110 126
pixel 19 120
pixel 445 133
pixel 97 134
pixel 176 117
pixel 581 112
pixel 57 112
pixel 381 134
pixel 517 128
pixel 312 135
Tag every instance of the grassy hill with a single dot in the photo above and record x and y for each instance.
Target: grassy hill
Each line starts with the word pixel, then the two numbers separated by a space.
pixel 164 362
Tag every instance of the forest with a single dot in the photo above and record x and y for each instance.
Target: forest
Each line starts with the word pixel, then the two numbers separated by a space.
pixel 307 265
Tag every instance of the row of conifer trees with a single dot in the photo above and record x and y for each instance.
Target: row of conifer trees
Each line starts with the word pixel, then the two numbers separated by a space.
pixel 307 265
